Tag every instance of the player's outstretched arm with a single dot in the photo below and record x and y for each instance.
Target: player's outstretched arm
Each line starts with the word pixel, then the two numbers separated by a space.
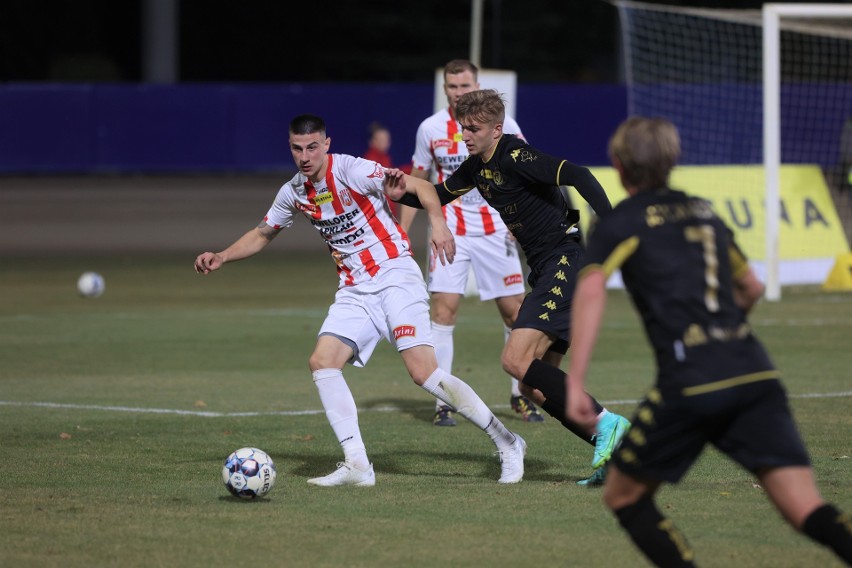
pixel 248 245
pixel 586 314
pixel 587 186
pixel 423 194
pixel 406 213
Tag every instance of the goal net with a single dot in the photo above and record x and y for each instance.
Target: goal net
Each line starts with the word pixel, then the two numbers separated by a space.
pixel 704 69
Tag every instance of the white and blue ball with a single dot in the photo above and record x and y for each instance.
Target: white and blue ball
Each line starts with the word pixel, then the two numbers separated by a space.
pixel 91 285
pixel 249 473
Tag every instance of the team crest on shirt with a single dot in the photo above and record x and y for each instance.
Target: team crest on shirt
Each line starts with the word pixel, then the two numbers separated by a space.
pixel 345 196
pixel 379 172
pixel 404 331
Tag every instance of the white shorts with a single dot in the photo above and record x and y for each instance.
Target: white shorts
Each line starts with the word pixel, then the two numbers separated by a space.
pixel 495 262
pixel 393 306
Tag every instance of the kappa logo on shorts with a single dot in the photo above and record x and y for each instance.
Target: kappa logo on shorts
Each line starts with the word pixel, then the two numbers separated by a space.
pixel 512 279
pixel 404 331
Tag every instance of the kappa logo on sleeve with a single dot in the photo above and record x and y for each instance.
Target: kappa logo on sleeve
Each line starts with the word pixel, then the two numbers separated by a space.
pixel 522 155
pixel 404 331
pixel 379 172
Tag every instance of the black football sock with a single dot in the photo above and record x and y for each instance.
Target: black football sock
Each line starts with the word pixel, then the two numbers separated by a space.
pixel 557 410
pixel 550 381
pixel 832 528
pixel 655 535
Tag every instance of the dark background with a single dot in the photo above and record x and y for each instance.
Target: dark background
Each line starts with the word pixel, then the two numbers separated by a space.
pixel 333 40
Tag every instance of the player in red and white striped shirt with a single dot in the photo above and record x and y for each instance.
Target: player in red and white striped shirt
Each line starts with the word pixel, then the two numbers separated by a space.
pixel 382 294
pixel 483 243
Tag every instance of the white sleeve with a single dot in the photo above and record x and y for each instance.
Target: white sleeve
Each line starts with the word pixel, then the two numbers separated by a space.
pixel 364 176
pixel 511 127
pixel 280 214
pixel 422 158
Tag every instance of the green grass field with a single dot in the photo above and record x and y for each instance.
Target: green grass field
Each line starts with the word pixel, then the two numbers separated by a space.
pixel 117 414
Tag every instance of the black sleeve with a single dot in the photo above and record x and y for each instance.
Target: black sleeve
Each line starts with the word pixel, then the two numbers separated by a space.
pixel 587 185
pixel 411 199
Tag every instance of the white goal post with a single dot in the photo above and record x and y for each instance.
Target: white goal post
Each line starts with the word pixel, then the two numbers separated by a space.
pixel 772 17
pixel 762 99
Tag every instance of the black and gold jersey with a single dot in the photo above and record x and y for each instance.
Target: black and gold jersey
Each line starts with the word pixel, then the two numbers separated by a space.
pixel 522 184
pixel 678 261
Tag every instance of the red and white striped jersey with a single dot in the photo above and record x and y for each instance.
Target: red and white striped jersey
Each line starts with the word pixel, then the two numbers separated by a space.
pixel 350 211
pixel 439 147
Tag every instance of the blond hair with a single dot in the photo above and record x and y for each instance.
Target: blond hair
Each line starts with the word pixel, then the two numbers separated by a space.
pixel 648 149
pixel 485 106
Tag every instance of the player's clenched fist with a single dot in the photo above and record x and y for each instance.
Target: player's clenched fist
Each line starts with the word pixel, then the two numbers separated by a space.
pixel 207 262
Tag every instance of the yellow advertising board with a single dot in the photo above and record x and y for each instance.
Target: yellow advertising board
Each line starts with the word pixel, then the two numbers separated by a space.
pixel 810 234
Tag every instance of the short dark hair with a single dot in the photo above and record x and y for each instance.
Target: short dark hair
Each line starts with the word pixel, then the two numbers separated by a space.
pixel 307 124
pixel 457 66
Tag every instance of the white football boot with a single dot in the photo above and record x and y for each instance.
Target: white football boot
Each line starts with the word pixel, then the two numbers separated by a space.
pixel 512 461
pixel 346 474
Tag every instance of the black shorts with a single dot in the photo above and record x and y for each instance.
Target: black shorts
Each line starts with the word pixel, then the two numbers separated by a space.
pixel 548 305
pixel 751 424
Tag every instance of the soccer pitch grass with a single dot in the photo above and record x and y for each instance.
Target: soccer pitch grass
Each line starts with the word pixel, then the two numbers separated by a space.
pixel 117 414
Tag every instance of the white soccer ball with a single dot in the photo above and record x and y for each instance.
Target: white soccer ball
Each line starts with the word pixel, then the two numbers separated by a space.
pixel 249 473
pixel 91 285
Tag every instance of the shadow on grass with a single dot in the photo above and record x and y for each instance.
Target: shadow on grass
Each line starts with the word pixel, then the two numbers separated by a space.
pixel 421 410
pixel 424 410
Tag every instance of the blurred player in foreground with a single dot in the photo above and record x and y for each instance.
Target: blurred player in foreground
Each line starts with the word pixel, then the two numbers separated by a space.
pixel 483 243
pixel 522 184
pixel 715 384
pixel 381 295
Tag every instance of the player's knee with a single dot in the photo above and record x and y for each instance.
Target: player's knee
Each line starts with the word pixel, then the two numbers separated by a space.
pixel 319 361
pixel 445 316
pixel 513 364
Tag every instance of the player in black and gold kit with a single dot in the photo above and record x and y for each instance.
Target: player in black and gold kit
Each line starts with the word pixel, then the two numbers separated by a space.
pixel 715 384
pixel 522 184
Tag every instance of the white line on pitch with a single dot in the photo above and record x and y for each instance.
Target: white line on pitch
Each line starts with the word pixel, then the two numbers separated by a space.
pixel 212 414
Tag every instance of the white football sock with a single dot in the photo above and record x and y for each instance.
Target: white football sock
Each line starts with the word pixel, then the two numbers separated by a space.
pixel 342 414
pixel 442 337
pixel 516 390
pixel 458 394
